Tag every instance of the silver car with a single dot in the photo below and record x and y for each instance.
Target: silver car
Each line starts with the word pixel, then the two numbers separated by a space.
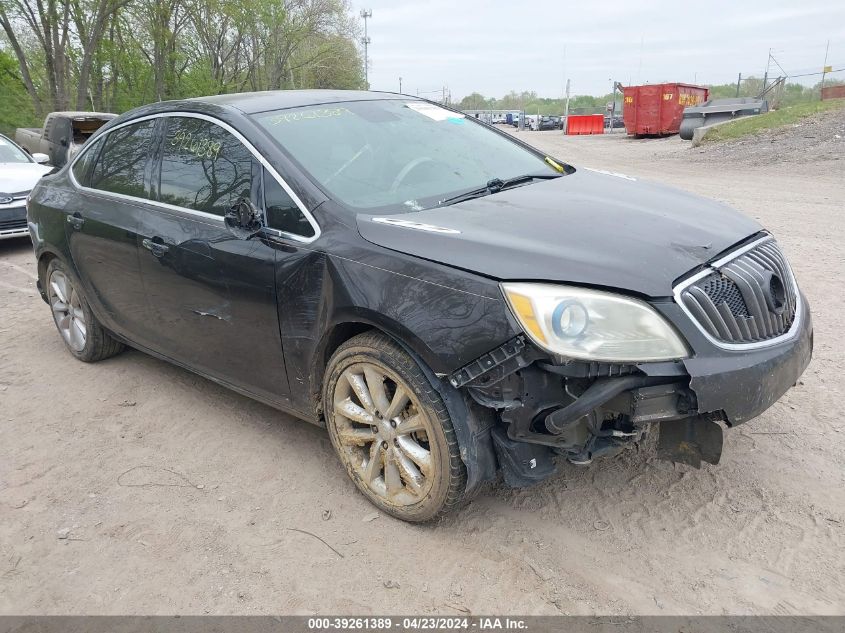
pixel 19 172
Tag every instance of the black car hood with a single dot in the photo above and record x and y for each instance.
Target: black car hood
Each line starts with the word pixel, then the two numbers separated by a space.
pixel 588 227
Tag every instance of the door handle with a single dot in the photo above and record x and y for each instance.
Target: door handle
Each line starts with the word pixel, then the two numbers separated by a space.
pixel 76 220
pixel 156 248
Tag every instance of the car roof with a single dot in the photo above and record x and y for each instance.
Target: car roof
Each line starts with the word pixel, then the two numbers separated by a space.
pixel 253 102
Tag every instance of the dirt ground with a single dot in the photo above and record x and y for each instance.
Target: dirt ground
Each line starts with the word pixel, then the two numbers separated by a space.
pixel 134 487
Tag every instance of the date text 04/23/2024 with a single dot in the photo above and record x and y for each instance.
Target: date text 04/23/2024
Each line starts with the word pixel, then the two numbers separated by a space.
pixel 417 623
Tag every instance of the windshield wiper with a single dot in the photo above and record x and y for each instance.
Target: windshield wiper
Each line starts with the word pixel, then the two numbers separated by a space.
pixel 495 186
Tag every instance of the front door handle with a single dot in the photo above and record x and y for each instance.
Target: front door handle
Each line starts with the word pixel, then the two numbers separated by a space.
pixel 156 248
pixel 76 220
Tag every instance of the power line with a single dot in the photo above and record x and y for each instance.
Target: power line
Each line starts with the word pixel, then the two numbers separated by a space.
pixel 835 70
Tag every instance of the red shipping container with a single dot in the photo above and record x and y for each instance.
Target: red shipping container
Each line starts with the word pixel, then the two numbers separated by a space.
pixel 585 124
pixel 657 109
pixel 833 92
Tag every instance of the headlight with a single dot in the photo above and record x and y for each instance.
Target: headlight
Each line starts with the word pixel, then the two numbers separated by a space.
pixel 593 325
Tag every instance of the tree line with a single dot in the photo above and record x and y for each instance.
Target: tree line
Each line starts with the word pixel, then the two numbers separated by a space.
pixel 113 55
pixel 531 103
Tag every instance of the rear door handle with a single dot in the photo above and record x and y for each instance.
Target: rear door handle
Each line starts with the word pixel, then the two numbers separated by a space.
pixel 156 248
pixel 76 220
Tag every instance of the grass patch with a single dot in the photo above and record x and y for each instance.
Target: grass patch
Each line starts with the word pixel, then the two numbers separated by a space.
pixel 770 120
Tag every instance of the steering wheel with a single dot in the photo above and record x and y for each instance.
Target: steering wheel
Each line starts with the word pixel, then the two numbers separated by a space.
pixel 407 169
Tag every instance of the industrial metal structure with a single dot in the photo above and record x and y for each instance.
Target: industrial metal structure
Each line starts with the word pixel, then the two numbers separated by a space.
pixel 718 110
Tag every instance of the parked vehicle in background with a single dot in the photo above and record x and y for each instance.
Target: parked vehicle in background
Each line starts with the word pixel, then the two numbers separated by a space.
pixel 18 174
pixel 613 121
pixel 445 299
pixel 548 123
pixel 62 135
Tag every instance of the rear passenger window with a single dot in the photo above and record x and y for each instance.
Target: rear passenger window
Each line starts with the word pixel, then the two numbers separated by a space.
pixel 203 167
pixel 282 212
pixel 122 162
pixel 82 167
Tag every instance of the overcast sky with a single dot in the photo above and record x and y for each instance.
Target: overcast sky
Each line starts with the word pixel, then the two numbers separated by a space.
pixel 493 47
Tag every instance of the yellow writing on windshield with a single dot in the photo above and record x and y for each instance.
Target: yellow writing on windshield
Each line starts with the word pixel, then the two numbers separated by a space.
pixel 307 115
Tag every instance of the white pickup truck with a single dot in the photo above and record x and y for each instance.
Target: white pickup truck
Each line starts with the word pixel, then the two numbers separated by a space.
pixel 62 135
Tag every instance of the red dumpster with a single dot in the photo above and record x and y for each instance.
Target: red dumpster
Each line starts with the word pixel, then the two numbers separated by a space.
pixel 585 124
pixel 833 92
pixel 657 109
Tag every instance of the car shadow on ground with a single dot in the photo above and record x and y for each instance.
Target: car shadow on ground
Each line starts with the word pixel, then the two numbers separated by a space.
pixel 15 246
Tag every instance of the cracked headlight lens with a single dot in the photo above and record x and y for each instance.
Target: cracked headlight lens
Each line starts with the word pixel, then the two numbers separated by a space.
pixel 593 325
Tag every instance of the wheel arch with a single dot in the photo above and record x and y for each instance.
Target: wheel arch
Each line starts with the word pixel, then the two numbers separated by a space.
pixel 350 325
pixel 44 258
pixel 472 424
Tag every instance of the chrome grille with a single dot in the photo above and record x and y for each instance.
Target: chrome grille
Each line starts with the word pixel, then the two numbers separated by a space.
pixel 746 298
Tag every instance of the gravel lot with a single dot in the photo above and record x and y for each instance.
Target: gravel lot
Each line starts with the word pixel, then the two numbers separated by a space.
pixel 134 487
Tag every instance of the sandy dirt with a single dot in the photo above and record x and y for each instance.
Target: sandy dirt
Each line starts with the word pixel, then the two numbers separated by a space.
pixel 134 487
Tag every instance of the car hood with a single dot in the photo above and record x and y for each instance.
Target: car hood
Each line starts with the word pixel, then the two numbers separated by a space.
pixel 589 227
pixel 20 177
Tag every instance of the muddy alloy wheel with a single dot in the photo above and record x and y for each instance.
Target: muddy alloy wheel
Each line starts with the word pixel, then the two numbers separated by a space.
pixel 81 332
pixel 391 430
pixel 383 434
pixel 67 311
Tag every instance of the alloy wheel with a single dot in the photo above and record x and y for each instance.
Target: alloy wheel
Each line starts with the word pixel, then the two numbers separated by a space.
pixel 384 434
pixel 67 311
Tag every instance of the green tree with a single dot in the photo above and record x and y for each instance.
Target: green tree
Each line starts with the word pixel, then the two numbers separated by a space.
pixel 16 106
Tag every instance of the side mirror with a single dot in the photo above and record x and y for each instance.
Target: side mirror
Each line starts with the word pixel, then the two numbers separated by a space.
pixel 243 219
pixel 38 157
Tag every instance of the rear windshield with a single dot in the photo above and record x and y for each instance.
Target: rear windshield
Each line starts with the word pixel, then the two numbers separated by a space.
pixel 84 128
pixel 396 154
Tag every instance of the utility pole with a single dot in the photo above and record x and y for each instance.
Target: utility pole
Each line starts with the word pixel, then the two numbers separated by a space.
pixel 738 82
pixel 563 118
pixel 824 67
pixel 613 107
pixel 766 74
pixel 566 109
pixel 366 13
pixel 400 85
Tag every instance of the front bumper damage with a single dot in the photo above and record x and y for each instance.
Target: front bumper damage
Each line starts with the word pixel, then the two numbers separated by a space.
pixel 546 406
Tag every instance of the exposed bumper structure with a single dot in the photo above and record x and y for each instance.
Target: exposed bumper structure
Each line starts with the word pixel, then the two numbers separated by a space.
pixel 587 410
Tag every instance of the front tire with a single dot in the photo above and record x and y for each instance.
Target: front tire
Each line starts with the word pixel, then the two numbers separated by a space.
pixel 80 330
pixel 391 430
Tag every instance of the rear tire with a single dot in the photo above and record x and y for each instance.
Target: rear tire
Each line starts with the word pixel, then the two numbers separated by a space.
pixel 391 430
pixel 81 332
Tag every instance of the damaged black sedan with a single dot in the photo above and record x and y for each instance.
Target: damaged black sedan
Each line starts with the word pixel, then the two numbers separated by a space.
pixel 446 300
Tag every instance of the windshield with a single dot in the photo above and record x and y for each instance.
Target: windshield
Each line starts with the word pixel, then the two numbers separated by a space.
pixel 10 153
pixel 396 153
